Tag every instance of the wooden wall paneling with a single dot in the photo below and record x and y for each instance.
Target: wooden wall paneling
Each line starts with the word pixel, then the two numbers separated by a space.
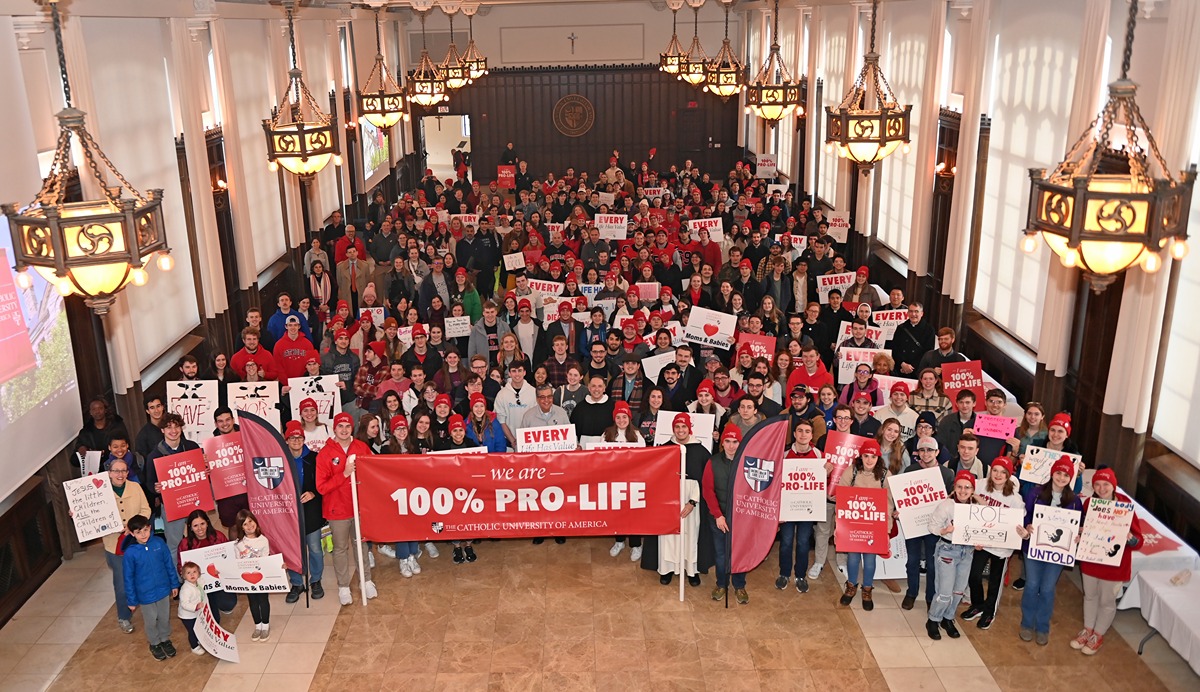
pixel 1092 339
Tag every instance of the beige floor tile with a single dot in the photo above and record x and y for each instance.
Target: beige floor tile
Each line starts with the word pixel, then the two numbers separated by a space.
pixel 285 682
pixel 26 683
pixel 25 629
pixel 898 652
pixel 913 680
pixel 292 657
pixel 234 682
pixel 306 629
pixel 883 623
pixel 69 630
pixel 47 603
pixel 10 656
pixel 950 653
pixel 45 659
pixel 254 657
pixel 88 603
pixel 976 679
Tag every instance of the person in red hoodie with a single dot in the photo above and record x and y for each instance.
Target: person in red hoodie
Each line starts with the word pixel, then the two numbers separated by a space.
pixel 251 351
pixel 335 468
pixel 292 350
pixel 1102 583
pixel 811 373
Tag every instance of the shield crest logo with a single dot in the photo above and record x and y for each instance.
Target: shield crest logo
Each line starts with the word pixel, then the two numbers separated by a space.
pixel 758 473
pixel 268 471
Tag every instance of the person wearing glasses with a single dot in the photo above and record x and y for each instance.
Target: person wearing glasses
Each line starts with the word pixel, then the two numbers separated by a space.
pixel 546 413
pixel 920 549
pixel 514 399
pixel 131 502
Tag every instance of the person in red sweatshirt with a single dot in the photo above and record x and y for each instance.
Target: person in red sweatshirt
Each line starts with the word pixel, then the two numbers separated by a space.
pixel 292 350
pixel 335 469
pixel 251 351
pixel 811 373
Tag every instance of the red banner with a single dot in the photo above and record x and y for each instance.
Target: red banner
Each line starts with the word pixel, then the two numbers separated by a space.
pixel 861 520
pixel 184 480
pixel 506 177
pixel 757 479
pixel 841 449
pixel 272 488
pixel 225 469
pixel 966 375
pixel 463 496
pixel 16 353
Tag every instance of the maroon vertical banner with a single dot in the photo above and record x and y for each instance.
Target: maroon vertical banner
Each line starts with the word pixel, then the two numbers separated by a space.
pixel 506 177
pixel 271 487
pixel 757 480
pixel 184 479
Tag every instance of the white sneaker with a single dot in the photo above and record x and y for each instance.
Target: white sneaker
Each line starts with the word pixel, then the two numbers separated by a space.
pixel 266 633
pixel 371 559
pixel 198 650
pixel 371 591
pixel 406 568
pixel 414 565
pixel 386 550
pixel 432 550
pixel 344 596
pixel 635 554
pixel 616 549
pixel 814 572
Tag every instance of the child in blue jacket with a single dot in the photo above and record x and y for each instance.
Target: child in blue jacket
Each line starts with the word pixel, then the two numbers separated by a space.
pixel 151 581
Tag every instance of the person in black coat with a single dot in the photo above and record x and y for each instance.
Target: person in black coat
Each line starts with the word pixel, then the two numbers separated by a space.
pixel 304 462
pixel 696 458
pixel 911 341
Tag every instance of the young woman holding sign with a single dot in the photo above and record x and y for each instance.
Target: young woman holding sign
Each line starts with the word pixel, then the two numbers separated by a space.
pixel 1041 578
pixel 952 561
pixel 1102 583
pixel 867 471
pixel 999 489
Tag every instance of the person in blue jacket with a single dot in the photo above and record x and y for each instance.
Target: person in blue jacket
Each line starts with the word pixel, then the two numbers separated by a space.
pixel 482 427
pixel 151 581
pixel 1041 578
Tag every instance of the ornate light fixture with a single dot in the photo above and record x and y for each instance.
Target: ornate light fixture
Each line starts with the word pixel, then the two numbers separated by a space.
pixel 476 64
pixel 426 86
pixel 693 62
pixel 383 104
pixel 94 247
pixel 669 61
pixel 300 136
pixel 773 95
pixel 456 73
pixel 725 75
pixel 1104 207
pixel 866 133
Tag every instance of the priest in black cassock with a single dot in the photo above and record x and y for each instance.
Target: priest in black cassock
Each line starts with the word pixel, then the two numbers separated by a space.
pixel 661 553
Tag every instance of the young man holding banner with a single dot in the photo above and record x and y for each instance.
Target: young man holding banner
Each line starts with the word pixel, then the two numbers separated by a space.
pixel 717 489
pixel 335 470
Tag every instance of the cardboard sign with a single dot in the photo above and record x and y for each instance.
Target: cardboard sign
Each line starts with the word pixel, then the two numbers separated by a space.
pixel 254 574
pixel 965 375
pixel 761 345
pixel 875 334
pixel 552 438
pixel 323 390
pixel 988 526
pixel 1055 535
pixel 194 401
pixel 506 177
pixel 841 449
pixel 653 192
pixel 766 167
pixel 799 244
pixel 839 225
pixel 888 320
pixel 703 425
pixel 590 291
pixel 259 398
pixel 458 326
pixel 551 289
pixel 802 495
pixel 608 199
pixel 225 465
pixel 828 282
pixel 653 365
pixel 378 315
pixel 612 226
pixel 850 358
pixel 466 219
pixel 710 328
pixel 862 525
pixel 215 639
pixel 917 494
pixel 183 479
pixel 1037 462
pixel 998 427
pixel 555 230
pixel 715 228
pixel 93 507
pixel 1105 530
pixel 886 382
pixel 90 463
pixel 209 558
pixel 514 261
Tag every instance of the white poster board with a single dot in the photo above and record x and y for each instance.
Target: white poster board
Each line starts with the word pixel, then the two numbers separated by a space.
pixel 322 389
pixel 551 438
pixel 839 225
pixel 828 282
pixel 715 228
pixel 850 358
pixel 802 496
pixel 703 425
pixel 1105 530
pixel 710 328
pixel 988 526
pixel 888 320
pixel 254 574
pixel 1037 462
pixel 875 334
pixel 917 494
pixel 514 261
pixel 653 365
pixel 612 226
pixel 215 639
pixel 93 507
pixel 194 401
pixel 1055 535
pixel 210 558
pixel 458 326
pixel 259 398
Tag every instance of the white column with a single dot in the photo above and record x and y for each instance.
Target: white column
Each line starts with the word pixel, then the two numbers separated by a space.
pixel 816 113
pixel 926 140
pixel 1135 349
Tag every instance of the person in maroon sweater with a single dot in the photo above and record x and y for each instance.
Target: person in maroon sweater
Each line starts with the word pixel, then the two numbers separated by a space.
pixel 251 351
pixel 374 372
pixel 292 350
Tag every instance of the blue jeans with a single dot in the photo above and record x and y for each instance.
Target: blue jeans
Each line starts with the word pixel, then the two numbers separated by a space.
pixel 1037 600
pixel 953 566
pixel 407 549
pixel 722 555
pixel 116 564
pixel 921 549
pixel 867 560
pixel 794 537
pixel 316 560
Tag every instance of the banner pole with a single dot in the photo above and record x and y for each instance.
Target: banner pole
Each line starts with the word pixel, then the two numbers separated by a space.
pixel 362 576
pixel 682 500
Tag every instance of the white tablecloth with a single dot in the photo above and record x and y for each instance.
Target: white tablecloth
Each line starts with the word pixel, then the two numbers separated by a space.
pixel 1172 610
pixel 1161 551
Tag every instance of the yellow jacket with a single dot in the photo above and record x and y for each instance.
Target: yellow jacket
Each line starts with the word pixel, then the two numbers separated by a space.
pixel 131 502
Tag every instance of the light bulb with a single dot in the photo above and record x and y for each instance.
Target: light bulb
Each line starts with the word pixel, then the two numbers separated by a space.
pixel 337 160
pixel 1029 244
pixel 1151 262
pixel 1179 248
pixel 64 287
pixel 1070 258
pixel 272 166
pixel 905 149
pixel 24 282
pixel 829 147
pixel 166 262
pixel 139 277
pixel 747 110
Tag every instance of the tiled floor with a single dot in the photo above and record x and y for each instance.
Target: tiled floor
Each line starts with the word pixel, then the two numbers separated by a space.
pixel 562 617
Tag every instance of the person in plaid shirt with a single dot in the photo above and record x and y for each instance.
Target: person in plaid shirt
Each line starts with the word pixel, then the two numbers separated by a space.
pixel 559 362
pixel 374 371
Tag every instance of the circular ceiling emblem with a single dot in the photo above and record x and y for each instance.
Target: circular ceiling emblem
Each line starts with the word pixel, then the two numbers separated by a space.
pixel 574 115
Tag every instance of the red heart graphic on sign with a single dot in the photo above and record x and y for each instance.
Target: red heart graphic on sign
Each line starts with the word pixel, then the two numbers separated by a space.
pixel 97 482
pixel 212 569
pixel 711 329
pixel 252 577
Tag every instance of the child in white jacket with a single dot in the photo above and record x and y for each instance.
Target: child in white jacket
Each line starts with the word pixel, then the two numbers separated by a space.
pixel 191 597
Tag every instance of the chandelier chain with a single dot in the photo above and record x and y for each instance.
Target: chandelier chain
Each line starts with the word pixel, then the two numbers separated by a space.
pixel 1127 56
pixel 292 48
pixel 89 145
pixel 62 56
pixel 378 32
pixel 874 16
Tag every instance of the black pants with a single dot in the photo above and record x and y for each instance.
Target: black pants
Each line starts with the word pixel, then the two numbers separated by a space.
pixel 190 625
pixel 982 559
pixel 634 541
pixel 260 608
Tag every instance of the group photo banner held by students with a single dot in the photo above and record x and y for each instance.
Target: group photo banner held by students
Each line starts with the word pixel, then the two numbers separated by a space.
pixel 605 492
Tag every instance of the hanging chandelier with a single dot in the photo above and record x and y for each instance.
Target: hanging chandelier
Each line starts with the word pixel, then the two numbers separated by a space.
pixel 693 62
pixel 456 73
pixel 773 95
pixel 426 86
pixel 300 136
pixel 725 75
pixel 94 247
pixel 477 65
pixel 868 133
pixel 381 105
pixel 1108 205
pixel 669 61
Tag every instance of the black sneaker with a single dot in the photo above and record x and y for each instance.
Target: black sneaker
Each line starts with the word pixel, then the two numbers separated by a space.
pixel 665 579
pixel 951 630
pixel 470 552
pixel 908 602
pixel 458 556
pixel 168 648
pixel 315 590
pixel 984 622
pixel 801 584
pixel 538 541
pixel 560 541
pixel 294 594
pixel 1018 584
pixel 972 613
pixel 694 580
pixel 781 582
pixel 159 654
pixel 931 628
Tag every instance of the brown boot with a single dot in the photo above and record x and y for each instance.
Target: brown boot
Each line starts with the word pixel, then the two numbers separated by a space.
pixel 847 597
pixel 868 604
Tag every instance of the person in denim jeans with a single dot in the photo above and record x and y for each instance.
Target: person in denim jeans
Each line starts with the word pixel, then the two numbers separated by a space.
pixel 794 536
pixel 1041 578
pixel 867 471
pixel 952 562
pixel 716 486
pixel 305 463
pixel 922 548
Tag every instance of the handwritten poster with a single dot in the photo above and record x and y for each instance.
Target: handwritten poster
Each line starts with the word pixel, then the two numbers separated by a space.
pixel 715 228
pixel 514 261
pixel 1105 530
pixel 999 427
pixel 1055 531
pixel 988 526
pixel 802 495
pixel 259 398
pixel 323 390
pixel 184 481
pixel 194 401
pixel 93 507
pixel 1036 465
pixel 378 315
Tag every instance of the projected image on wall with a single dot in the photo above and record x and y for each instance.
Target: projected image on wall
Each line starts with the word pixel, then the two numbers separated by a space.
pixel 374 148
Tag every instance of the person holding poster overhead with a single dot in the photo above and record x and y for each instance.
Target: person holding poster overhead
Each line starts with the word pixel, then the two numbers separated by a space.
pixel 794 536
pixel 1041 578
pixel 999 489
pixel 1102 583
pixel 131 502
pixel 952 562
pixel 867 471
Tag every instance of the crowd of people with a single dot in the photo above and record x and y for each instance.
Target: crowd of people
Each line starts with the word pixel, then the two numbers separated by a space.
pixel 532 358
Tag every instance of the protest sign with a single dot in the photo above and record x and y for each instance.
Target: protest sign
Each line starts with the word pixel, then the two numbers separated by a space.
pixel 1055 535
pixel 458 326
pixel 506 177
pixel 1105 530
pixel 378 315
pixel 254 574
pixel 776 187
pixel 676 329
pixel 225 470
pixel 839 225
pixel 183 479
pixel 209 558
pixel 964 375
pixel 612 445
pixel 888 320
pixel 194 401
pixel 90 465
pixel 215 639
pixel 761 345
pixel 607 198
pixel 710 328
pixel 862 525
pixel 917 494
pixel 715 228
pixel 466 219
pixel 550 290
pixel 875 334
pixel 647 291
pixel 841 449
pixel 653 365
pixel 93 507
pixel 259 398
pixel 894 565
pixel 514 261
pixel 608 305
pixel 555 231
pixel 828 282
pixel 322 389
pixel 590 291
pixel 1037 462
pixel 988 526
pixel 612 226
pixel 851 358
pixel 552 438
pixel 998 427
pixel 703 425
pixel 886 382
pixel 653 192
pixel 765 167
pixel 799 244
pixel 802 497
